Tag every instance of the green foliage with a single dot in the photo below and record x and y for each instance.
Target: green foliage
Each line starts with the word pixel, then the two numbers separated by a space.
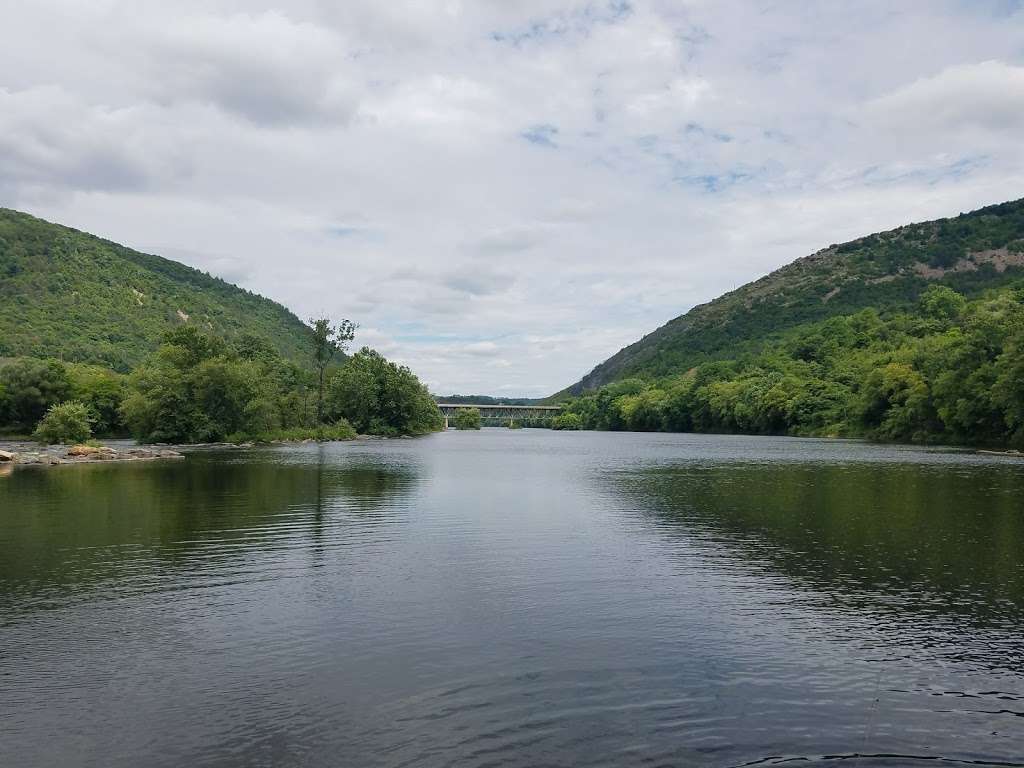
pixel 68 422
pixel 567 421
pixel 341 430
pixel 200 389
pixel 101 390
pixel 940 303
pixel 379 397
pixel 328 341
pixel 467 418
pixel 69 294
pixel 30 388
pixel 948 370
pixel 883 273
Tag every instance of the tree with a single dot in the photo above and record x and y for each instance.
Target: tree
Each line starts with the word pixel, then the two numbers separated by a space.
pixel 31 387
pixel 101 390
pixel 380 397
pixel 467 418
pixel 195 389
pixel 328 340
pixel 567 420
pixel 940 303
pixel 65 423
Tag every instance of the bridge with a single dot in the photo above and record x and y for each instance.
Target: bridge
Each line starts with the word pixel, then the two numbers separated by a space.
pixel 503 415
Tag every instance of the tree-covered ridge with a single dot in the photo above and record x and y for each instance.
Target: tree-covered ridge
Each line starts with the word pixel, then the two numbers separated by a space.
pixel 70 295
pixel 946 370
pixel 889 270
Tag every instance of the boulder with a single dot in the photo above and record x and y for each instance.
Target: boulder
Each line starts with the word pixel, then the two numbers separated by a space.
pixel 83 450
pixel 6 456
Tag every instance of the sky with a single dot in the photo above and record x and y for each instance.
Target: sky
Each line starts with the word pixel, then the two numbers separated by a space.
pixel 503 194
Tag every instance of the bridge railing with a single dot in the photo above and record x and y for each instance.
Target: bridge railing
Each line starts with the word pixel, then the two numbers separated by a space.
pixel 501 415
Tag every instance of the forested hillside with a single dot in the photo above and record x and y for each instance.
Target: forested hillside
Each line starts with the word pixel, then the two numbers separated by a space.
pixel 946 370
pixel 66 294
pixel 887 272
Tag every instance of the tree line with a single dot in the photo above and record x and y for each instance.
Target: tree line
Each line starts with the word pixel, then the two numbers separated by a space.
pixel 948 370
pixel 197 387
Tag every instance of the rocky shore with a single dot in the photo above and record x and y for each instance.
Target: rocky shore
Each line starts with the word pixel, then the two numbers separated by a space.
pixel 28 453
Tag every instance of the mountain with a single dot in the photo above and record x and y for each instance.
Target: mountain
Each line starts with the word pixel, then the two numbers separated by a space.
pixel 888 270
pixel 68 294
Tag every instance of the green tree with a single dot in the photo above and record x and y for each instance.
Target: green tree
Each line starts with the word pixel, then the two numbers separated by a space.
pixel 941 303
pixel 896 404
pixel 101 390
pixel 567 420
pixel 31 387
pixel 380 397
pixel 467 418
pixel 328 341
pixel 68 422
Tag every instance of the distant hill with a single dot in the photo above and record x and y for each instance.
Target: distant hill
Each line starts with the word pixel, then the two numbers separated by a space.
pixel 68 294
pixel 486 400
pixel 889 270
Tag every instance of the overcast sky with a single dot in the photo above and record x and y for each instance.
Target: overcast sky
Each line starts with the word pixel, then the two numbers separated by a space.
pixel 503 193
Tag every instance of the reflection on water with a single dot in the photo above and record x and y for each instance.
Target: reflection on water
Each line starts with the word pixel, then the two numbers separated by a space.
pixel 516 598
pixel 947 539
pixel 80 526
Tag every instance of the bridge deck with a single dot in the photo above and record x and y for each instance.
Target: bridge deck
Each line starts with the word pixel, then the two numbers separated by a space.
pixel 492 413
pixel 488 406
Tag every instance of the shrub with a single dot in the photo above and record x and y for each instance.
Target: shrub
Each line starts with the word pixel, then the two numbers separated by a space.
pixel 567 421
pixel 68 422
pixel 467 418
pixel 341 430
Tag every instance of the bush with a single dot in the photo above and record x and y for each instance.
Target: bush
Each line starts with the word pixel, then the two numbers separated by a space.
pixel 567 421
pixel 467 418
pixel 341 430
pixel 69 422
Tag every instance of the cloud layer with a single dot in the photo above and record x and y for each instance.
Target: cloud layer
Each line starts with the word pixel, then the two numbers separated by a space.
pixel 504 194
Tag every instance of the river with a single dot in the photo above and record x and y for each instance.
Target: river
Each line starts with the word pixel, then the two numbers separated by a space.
pixel 516 598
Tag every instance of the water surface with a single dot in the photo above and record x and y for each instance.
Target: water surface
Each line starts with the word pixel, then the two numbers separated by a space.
pixel 516 598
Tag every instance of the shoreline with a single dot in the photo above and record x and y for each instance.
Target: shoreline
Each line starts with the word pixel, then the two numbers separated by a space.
pixel 28 453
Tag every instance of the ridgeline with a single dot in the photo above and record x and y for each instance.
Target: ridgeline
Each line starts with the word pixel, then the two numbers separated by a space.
pixel 70 295
pixel 912 335
pixel 886 271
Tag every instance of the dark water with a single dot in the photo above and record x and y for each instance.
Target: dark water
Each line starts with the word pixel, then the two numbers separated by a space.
pixel 522 598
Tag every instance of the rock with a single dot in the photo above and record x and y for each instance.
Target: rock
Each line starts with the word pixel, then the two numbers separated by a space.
pixel 6 456
pixel 29 458
pixel 83 450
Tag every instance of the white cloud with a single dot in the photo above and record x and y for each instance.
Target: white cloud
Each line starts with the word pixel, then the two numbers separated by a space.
pixel 503 194
pixel 984 97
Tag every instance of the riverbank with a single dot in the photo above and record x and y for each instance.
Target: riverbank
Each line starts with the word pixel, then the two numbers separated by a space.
pixel 26 453
pixel 29 453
